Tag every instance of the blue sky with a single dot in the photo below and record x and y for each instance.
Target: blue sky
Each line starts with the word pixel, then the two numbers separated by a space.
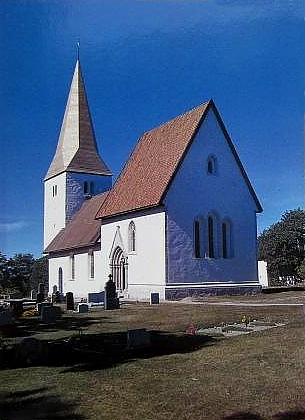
pixel 144 62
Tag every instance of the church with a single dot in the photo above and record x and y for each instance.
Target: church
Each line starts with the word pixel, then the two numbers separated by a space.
pixel 179 221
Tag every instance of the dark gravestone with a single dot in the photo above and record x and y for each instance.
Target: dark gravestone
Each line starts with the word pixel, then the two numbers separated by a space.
pixel 69 301
pixel 83 308
pixel 54 288
pixel 49 314
pixel 58 297
pixel 111 299
pixel 41 288
pixel 139 338
pixel 96 297
pixel 39 297
pixel 6 318
pixel 154 298
pixel 41 305
pixel 16 307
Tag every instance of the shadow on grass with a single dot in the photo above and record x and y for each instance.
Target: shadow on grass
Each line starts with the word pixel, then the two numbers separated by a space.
pixel 284 415
pixel 36 405
pixel 29 326
pixel 102 351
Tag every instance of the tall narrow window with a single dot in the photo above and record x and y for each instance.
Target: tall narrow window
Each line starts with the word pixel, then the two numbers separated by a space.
pixel 91 188
pixel 197 239
pixel 72 260
pixel 226 239
pixel 85 187
pixel 131 237
pixel 211 241
pixel 60 282
pixel 91 266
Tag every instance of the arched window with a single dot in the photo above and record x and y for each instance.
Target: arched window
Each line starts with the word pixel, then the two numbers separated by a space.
pixel 91 265
pixel 91 188
pixel 72 262
pixel 85 187
pixel 131 237
pixel 197 238
pixel 211 165
pixel 226 235
pixel 211 237
pixel 60 280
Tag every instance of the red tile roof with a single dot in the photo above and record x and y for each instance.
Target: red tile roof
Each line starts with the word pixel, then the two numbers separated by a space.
pixel 149 170
pixel 152 165
pixel 83 230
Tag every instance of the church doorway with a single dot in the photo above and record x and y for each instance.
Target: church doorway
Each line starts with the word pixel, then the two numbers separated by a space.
pixel 60 288
pixel 119 269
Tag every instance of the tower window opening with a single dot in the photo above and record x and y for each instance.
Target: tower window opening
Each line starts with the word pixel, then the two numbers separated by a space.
pixel 91 188
pixel 86 190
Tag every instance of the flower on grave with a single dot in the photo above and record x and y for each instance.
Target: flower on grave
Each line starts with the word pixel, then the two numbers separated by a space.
pixel 245 320
pixel 191 330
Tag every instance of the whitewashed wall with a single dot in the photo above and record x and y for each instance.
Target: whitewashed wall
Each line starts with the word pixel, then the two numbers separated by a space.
pixel 59 210
pixel 263 273
pixel 146 266
pixel 82 284
pixel 54 207
pixel 195 193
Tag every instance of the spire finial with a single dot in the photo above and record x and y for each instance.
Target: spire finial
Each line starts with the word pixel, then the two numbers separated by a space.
pixel 78 48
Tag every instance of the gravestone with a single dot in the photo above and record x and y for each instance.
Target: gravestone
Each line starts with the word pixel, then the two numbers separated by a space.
pixel 41 288
pixel 39 297
pixel 83 308
pixel 49 314
pixel 33 294
pixel 41 305
pixel 54 289
pixel 16 307
pixel 111 299
pixel 6 318
pixel 154 298
pixel 69 301
pixel 96 297
pixel 139 338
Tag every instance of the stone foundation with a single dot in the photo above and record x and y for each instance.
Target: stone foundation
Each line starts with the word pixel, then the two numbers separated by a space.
pixel 181 293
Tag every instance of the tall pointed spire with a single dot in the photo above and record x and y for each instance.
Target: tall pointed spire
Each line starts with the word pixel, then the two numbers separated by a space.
pixel 77 149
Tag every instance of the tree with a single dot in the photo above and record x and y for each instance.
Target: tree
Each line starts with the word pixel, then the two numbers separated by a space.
pixel 282 245
pixel 19 272
pixel 40 272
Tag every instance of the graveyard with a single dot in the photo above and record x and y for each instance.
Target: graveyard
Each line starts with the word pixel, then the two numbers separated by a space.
pixel 166 361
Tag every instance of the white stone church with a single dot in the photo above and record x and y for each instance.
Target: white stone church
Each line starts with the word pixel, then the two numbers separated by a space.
pixel 180 220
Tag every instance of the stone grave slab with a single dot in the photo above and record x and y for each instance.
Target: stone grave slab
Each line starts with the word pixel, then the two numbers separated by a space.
pixel 83 308
pixel 41 305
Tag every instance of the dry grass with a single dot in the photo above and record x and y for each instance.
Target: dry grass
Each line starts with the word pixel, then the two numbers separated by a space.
pixel 260 375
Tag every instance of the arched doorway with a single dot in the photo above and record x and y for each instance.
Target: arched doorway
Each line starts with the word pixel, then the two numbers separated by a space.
pixel 60 283
pixel 119 268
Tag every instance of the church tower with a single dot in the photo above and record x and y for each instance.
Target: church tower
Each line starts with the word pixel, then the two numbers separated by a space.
pixel 77 171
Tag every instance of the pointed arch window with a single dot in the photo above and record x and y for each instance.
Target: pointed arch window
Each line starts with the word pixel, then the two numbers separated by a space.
pixel 60 280
pixel 226 237
pixel 211 237
pixel 132 237
pixel 212 165
pixel 91 266
pixel 72 267
pixel 197 238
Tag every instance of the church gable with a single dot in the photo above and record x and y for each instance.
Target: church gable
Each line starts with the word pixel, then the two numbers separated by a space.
pixel 211 165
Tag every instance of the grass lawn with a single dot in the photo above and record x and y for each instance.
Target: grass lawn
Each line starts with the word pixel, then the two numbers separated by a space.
pixel 256 376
